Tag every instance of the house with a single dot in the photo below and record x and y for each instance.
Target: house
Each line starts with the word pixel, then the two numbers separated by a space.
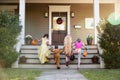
pixel 60 17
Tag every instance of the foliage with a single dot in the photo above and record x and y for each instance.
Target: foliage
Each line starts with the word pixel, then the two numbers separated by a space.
pixel 19 74
pixel 101 25
pixel 110 43
pixel 89 37
pixel 9 30
pixel 101 74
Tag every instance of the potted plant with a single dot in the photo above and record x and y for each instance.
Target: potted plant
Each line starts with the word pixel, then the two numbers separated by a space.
pixel 95 59
pixel 89 40
pixel 28 39
pixel 22 59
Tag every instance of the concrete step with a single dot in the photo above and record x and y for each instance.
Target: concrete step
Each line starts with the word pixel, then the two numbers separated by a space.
pixel 43 66
pixel 59 46
pixel 36 51
pixel 35 55
pixel 29 47
pixel 37 46
pixel 36 60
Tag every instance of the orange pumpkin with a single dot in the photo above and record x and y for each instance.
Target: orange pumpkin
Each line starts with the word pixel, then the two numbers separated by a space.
pixel 34 42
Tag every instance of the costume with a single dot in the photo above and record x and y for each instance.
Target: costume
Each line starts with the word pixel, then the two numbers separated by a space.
pixel 68 48
pixel 56 54
pixel 78 49
pixel 43 51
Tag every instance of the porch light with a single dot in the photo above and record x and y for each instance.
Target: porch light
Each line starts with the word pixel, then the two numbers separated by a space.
pixel 72 14
pixel 46 14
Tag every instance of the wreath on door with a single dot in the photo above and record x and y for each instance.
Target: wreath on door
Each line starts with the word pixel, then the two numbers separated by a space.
pixel 59 20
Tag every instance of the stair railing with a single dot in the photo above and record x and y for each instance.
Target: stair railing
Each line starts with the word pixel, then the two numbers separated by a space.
pixel 100 51
pixel 17 47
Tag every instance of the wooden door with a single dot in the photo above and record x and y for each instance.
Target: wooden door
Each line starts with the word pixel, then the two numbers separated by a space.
pixel 59 29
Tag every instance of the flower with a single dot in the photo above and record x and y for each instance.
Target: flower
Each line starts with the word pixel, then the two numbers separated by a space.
pixel 28 37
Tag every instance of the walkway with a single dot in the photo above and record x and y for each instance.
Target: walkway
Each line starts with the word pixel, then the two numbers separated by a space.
pixel 62 74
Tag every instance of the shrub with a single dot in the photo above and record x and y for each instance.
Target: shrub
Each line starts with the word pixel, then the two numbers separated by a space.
pixel 9 30
pixel 110 43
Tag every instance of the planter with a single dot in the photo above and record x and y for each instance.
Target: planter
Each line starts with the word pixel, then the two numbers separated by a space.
pixel 22 59
pixel 28 41
pixel 89 41
pixel 95 59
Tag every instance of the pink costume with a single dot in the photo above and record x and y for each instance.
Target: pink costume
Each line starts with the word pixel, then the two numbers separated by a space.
pixel 78 50
pixel 78 44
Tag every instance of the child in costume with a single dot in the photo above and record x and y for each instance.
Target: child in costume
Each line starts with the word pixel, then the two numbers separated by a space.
pixel 56 54
pixel 43 51
pixel 68 48
pixel 78 50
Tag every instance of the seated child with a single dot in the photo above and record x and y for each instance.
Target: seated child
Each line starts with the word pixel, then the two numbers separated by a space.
pixel 56 54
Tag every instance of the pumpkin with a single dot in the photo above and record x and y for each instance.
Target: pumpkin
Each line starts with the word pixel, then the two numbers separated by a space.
pixel 34 42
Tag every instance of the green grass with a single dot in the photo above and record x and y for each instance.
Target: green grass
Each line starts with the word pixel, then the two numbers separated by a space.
pixel 101 74
pixel 19 74
pixel 30 74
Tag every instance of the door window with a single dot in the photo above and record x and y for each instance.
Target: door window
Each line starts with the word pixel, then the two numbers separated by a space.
pixel 59 23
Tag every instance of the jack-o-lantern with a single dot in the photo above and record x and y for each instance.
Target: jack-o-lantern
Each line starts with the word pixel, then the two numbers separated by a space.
pixel 34 42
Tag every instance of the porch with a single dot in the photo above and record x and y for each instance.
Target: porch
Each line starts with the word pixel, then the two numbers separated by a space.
pixel 36 24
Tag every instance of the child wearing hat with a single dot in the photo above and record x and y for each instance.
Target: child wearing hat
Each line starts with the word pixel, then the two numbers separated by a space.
pixel 78 50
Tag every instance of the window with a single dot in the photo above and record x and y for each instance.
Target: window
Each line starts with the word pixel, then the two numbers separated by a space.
pixel 89 24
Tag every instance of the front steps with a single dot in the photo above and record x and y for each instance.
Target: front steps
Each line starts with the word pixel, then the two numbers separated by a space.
pixel 32 61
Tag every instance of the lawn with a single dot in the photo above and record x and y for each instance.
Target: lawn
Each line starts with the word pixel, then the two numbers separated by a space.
pixel 30 74
pixel 19 74
pixel 101 74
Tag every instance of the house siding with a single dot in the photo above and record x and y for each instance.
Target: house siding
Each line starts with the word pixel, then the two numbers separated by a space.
pixel 83 11
pixel 37 25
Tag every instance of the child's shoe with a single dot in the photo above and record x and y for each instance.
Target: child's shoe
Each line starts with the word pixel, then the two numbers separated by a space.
pixel 58 67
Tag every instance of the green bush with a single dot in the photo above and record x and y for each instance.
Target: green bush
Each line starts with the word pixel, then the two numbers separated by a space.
pixel 110 43
pixel 9 30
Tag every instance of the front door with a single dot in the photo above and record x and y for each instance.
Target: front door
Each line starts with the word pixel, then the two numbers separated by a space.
pixel 59 27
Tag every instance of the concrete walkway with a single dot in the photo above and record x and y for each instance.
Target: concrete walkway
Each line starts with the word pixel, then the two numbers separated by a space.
pixel 61 74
